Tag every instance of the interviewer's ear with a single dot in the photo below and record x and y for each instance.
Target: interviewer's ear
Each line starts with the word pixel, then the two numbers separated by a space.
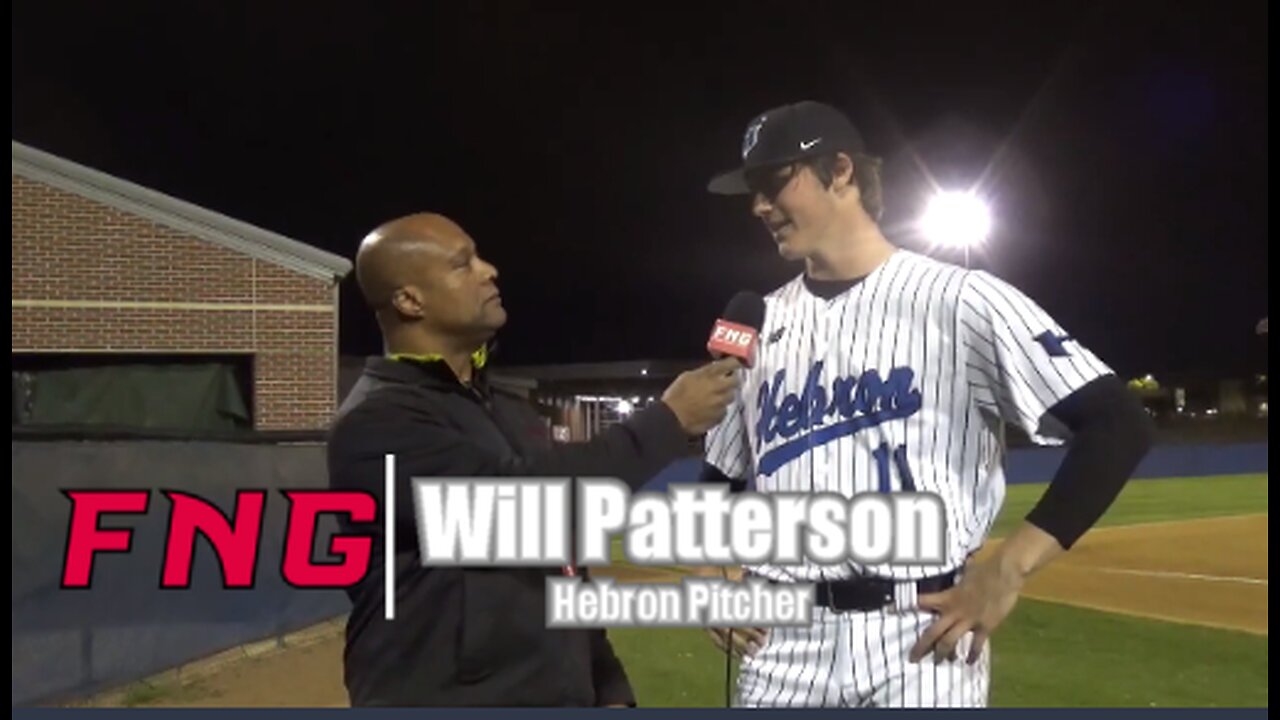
pixel 408 301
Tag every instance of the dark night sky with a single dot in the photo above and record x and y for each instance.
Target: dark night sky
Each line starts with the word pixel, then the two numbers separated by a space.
pixel 1124 145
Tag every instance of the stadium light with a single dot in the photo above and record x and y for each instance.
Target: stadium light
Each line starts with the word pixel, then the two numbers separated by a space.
pixel 956 219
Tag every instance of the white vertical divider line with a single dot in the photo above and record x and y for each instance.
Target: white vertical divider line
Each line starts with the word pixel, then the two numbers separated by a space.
pixel 389 539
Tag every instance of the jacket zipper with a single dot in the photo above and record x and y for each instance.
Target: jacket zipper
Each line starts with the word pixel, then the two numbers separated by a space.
pixel 487 404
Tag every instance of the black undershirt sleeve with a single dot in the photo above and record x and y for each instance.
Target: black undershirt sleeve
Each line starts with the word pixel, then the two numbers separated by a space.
pixel 1111 433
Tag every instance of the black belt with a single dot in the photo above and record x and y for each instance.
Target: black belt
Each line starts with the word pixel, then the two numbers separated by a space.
pixel 864 594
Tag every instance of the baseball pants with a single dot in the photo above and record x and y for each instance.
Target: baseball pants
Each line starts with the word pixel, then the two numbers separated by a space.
pixel 859 659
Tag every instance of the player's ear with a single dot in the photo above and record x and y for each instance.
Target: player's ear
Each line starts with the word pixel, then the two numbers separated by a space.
pixel 842 174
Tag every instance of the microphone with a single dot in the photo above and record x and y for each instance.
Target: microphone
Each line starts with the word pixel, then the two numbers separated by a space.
pixel 735 333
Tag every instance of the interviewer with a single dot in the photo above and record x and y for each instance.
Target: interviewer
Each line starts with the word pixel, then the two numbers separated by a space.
pixel 465 636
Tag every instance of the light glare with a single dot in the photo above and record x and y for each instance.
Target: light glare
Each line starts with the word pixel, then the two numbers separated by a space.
pixel 956 220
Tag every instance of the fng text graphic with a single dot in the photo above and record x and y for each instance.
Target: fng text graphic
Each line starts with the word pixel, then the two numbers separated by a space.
pixel 235 539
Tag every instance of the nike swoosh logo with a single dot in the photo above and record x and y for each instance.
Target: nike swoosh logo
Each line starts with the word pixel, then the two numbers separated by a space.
pixel 809 144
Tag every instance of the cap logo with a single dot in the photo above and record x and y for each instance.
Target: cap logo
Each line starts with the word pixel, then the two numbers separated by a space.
pixel 752 137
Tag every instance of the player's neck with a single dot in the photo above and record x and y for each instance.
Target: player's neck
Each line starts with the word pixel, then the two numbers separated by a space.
pixel 854 253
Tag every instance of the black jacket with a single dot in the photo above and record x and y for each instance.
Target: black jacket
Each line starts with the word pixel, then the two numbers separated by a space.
pixel 471 636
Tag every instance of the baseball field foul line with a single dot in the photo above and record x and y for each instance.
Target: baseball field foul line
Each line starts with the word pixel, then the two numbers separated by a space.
pixel 1183 576
pixel 1179 521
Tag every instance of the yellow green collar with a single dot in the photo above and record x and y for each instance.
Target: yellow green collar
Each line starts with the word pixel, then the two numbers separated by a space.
pixel 478 358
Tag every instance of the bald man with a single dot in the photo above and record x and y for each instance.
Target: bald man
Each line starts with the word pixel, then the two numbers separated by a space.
pixel 466 636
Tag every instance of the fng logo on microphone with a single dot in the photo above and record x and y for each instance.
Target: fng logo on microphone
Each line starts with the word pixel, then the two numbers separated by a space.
pixel 733 336
pixel 732 339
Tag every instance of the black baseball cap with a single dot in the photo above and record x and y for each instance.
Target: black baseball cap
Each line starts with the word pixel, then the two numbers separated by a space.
pixel 787 134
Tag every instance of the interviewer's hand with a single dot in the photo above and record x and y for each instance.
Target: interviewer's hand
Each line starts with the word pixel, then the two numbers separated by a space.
pixel 700 398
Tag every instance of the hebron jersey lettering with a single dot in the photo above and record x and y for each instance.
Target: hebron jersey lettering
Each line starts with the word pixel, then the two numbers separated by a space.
pixel 859 401
pixel 901 382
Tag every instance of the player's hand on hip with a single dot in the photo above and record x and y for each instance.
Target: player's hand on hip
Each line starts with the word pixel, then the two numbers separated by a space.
pixel 700 398
pixel 745 641
pixel 741 641
pixel 982 599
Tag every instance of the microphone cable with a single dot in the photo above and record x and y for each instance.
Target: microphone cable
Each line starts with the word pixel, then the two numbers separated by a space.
pixel 728 654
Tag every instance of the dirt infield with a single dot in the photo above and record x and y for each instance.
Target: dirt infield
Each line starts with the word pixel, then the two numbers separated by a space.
pixel 305 672
pixel 1211 571
pixel 1208 571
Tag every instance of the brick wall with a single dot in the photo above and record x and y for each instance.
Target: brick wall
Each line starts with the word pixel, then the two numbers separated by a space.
pixel 135 286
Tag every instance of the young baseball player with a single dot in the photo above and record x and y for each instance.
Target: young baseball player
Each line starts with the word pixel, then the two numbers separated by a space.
pixel 915 363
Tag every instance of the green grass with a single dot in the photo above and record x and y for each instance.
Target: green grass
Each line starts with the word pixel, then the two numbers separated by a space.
pixel 1046 654
pixel 1144 501
pixel 1052 655
pixel 672 667
pixel 144 693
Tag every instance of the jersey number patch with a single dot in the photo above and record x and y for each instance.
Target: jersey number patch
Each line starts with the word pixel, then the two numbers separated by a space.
pixel 900 460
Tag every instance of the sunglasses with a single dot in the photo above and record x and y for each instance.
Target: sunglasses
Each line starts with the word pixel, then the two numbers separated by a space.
pixel 770 181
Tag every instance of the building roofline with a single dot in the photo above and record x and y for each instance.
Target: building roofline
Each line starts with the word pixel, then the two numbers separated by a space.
pixel 623 370
pixel 42 167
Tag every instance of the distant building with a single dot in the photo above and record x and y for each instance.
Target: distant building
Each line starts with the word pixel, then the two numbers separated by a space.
pixel 133 309
pixel 581 399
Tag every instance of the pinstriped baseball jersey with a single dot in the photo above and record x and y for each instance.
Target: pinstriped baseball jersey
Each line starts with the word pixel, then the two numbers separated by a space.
pixel 899 383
